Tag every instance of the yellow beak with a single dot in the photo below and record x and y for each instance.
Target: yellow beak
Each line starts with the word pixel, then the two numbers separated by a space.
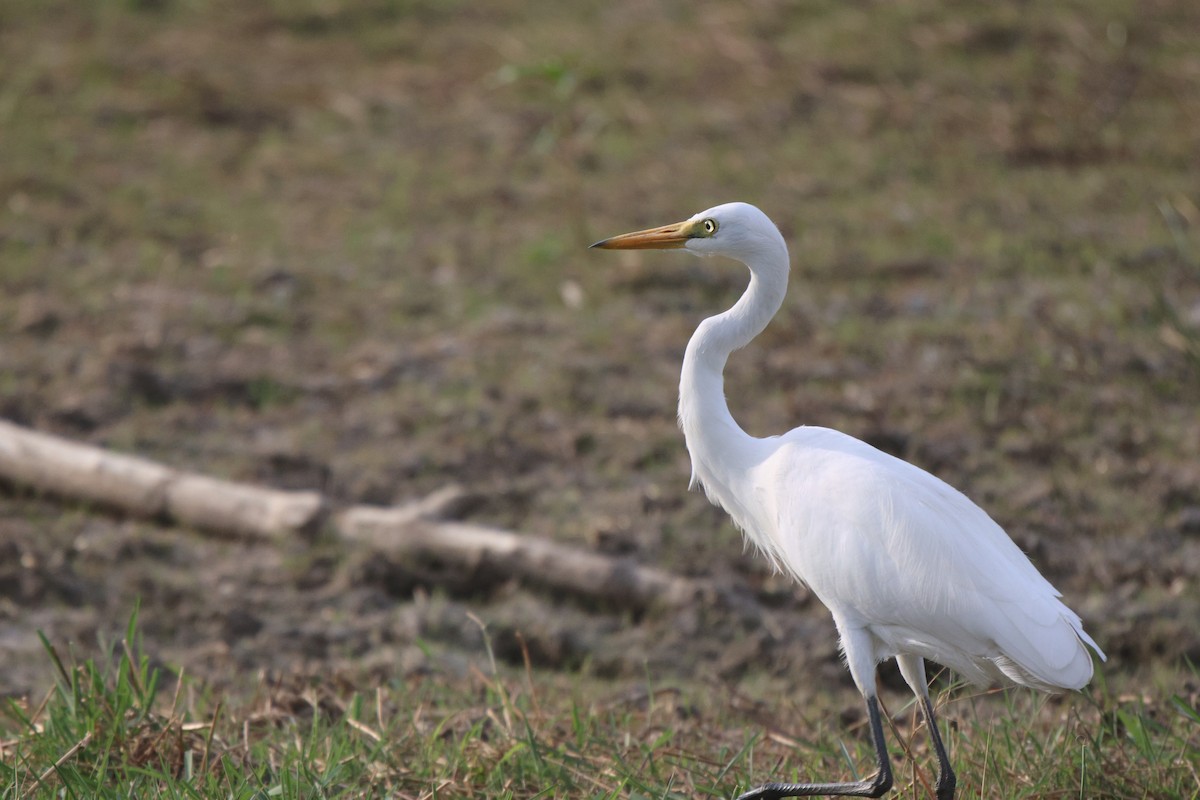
pixel 667 237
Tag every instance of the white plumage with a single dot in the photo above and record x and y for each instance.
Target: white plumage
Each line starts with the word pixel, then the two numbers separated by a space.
pixel 909 566
pixel 888 546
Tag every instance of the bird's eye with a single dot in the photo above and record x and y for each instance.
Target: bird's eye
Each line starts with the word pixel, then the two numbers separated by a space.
pixel 710 226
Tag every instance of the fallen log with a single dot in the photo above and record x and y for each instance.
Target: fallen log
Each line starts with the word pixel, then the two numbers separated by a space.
pixel 146 488
pixel 542 562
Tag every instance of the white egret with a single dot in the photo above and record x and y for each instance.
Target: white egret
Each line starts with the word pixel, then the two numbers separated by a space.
pixel 909 567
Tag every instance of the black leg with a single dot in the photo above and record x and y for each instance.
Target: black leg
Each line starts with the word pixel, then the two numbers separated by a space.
pixel 875 787
pixel 945 780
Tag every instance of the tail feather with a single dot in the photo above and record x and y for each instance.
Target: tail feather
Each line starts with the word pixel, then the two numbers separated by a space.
pixel 1048 658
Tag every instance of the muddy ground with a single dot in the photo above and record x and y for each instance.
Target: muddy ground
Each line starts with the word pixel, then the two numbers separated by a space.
pixel 343 246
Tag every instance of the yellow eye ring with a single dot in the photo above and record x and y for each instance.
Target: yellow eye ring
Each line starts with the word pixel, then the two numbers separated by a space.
pixel 710 226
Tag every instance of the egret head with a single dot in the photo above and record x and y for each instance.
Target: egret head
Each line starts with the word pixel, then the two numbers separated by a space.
pixel 736 230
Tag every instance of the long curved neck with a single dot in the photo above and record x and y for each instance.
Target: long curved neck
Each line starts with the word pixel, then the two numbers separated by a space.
pixel 718 445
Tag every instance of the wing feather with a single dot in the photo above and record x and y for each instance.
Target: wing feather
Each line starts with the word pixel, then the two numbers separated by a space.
pixel 901 552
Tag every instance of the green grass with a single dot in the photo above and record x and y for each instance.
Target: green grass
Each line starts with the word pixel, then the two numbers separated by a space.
pixel 110 728
pixel 343 232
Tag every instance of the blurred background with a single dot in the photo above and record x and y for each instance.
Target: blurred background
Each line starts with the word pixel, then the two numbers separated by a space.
pixel 341 245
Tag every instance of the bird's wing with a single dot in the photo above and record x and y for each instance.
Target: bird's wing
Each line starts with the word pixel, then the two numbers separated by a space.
pixel 898 550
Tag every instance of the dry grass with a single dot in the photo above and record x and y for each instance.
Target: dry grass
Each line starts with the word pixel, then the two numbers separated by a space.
pixel 103 732
pixel 342 244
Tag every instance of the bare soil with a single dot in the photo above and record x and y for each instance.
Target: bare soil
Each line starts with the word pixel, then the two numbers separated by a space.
pixel 343 246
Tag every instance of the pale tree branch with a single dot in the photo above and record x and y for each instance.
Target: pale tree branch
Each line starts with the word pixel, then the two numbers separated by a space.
pixel 145 488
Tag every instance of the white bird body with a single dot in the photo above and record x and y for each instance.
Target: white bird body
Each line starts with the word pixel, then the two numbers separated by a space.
pixel 908 566
pixel 892 549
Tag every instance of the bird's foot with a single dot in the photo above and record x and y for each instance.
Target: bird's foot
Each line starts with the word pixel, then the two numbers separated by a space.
pixel 875 787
